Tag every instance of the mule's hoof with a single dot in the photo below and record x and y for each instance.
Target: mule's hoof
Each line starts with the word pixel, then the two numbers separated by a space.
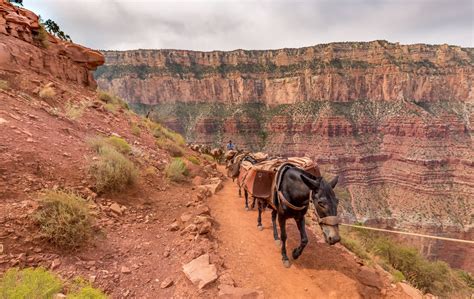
pixel 278 243
pixel 246 208
pixel 295 254
pixel 260 228
pixel 286 263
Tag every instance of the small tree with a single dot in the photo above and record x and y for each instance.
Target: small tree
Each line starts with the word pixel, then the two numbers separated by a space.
pixel 19 2
pixel 54 29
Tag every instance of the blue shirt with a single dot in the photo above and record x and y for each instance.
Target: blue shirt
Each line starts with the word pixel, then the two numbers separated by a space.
pixel 230 146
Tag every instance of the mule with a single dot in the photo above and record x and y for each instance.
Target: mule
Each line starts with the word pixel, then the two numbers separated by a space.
pixel 294 189
pixel 217 153
pixel 235 171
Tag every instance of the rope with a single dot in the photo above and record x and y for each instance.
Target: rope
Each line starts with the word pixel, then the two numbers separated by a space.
pixel 409 234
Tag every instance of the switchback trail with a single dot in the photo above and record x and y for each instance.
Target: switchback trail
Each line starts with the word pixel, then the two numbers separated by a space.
pixel 322 271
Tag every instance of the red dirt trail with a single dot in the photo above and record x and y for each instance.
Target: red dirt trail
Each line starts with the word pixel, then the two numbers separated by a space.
pixel 322 271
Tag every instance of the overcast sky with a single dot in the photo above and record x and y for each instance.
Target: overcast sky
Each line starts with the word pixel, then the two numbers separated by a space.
pixel 257 24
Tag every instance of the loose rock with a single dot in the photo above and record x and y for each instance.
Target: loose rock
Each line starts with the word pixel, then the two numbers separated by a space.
pixel 166 283
pixel 200 271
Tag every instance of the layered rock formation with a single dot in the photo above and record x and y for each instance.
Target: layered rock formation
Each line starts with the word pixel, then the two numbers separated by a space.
pixel 394 121
pixel 26 47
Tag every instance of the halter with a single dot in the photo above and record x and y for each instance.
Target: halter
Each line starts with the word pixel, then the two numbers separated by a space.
pixel 328 220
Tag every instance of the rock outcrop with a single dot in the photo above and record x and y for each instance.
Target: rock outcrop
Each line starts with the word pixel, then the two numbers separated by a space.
pixel 25 47
pixel 393 120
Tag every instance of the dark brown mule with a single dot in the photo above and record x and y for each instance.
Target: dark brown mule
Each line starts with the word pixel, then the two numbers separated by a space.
pixel 293 190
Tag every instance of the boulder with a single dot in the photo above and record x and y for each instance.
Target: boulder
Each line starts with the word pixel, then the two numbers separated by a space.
pixel 200 272
pixel 370 277
pixel 228 291
pixel 410 291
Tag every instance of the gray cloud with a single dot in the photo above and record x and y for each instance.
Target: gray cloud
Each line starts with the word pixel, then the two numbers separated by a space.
pixel 257 24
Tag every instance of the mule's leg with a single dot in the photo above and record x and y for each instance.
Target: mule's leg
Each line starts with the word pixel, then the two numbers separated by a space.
pixel 253 202
pixel 275 231
pixel 246 199
pixel 284 257
pixel 259 219
pixel 240 192
pixel 304 238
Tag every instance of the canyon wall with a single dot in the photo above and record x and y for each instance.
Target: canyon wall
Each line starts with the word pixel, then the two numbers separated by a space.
pixel 25 48
pixel 394 121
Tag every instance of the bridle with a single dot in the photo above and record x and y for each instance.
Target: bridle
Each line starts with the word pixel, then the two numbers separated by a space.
pixel 328 220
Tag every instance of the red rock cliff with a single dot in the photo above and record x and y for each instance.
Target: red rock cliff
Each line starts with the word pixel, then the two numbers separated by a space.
pixel 24 48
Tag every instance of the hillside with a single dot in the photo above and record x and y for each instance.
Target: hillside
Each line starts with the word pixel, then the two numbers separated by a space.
pixel 395 121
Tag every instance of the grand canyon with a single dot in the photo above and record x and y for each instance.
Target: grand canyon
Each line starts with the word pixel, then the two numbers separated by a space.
pixel 103 193
pixel 394 121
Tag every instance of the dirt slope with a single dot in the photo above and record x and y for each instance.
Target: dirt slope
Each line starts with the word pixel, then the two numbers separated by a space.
pixel 321 272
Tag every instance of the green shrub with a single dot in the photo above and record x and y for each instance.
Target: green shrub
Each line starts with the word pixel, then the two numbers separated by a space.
pixel 173 149
pixel 64 219
pixel 29 283
pixel 112 103
pixel 117 143
pixel 193 159
pixel 159 131
pixel 176 170
pixel 407 263
pixel 355 247
pixel 112 171
pixel 82 289
pixel 120 144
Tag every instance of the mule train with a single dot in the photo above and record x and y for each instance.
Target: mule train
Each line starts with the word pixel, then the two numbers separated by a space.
pixel 217 153
pixel 286 186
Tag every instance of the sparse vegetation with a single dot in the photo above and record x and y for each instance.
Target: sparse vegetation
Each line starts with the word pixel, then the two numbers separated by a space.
pixel 64 219
pixel 135 129
pixel 407 263
pixel 209 158
pixel 172 148
pixel 29 283
pixel 112 171
pixel 41 36
pixel 176 170
pixel 82 289
pixel 47 92
pixel 193 159
pixel 120 144
pixel 112 103
pixel 39 283
pixel 74 111
pixel 4 84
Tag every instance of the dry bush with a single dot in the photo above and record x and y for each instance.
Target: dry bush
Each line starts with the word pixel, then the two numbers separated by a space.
pixel 176 170
pixel 41 36
pixel 135 129
pixel 64 219
pixel 4 84
pixel 172 148
pixel 74 111
pixel 112 171
pixel 120 144
pixel 112 103
pixel 47 92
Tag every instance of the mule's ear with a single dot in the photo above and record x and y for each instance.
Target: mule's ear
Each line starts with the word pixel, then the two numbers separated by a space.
pixel 333 182
pixel 312 184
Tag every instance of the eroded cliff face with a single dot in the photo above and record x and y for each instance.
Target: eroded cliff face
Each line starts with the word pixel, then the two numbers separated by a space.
pixel 394 121
pixel 25 48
